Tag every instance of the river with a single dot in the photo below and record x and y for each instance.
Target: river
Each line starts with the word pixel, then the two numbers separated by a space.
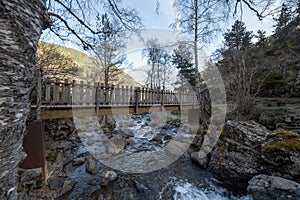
pixel 180 180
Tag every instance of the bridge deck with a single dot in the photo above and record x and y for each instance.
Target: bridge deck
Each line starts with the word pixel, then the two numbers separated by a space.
pixel 69 111
pixel 64 99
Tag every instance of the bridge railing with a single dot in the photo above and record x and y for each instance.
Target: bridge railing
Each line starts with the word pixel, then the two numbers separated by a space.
pixel 65 92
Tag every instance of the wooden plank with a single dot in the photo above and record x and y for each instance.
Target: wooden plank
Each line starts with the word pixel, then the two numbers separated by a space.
pixel 80 92
pixel 65 92
pixel 56 90
pixel 87 96
pixel 48 90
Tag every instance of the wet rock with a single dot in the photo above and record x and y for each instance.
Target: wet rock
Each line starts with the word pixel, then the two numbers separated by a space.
pixel 246 149
pixel 158 139
pixel 107 177
pixel 124 133
pixel 202 162
pixel 55 183
pixel 62 144
pixel 29 177
pixel 91 165
pixel 67 186
pixel 272 187
pixel 236 157
pixel 281 151
pixel 130 142
pixel 78 161
pixel 126 124
pixel 92 181
pixel 288 120
pixel 119 142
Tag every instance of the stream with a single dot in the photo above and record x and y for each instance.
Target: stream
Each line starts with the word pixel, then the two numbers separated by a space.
pixel 145 135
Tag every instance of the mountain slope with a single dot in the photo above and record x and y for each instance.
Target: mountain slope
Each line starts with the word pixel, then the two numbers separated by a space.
pixel 57 61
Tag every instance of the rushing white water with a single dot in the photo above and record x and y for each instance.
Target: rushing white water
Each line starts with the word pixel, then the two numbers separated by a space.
pixel 188 192
pixel 183 190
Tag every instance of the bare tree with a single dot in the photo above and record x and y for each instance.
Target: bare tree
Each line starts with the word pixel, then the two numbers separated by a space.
pixel 65 13
pixel 158 58
pixel 52 63
pixel 108 50
pixel 201 19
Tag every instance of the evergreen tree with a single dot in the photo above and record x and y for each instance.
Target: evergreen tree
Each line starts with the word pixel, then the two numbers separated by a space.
pixel 238 38
pixel 261 36
pixel 182 60
pixel 284 18
pixel 298 8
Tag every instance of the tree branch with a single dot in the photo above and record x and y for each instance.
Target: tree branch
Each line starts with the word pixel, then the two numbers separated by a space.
pixel 84 43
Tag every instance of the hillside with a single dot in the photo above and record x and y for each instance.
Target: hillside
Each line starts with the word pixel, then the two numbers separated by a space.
pixel 68 63
pixel 283 51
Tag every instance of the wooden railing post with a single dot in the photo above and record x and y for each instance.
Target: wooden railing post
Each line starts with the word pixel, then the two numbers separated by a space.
pixel 65 92
pixel 162 99
pixel 123 94
pixel 136 99
pixel 56 91
pixel 97 98
pixel 74 92
pixel 118 97
pixel 131 95
pixel 48 90
pixel 81 92
pixel 111 94
pixel 93 95
pixel 87 93
pixel 126 95
pixel 102 94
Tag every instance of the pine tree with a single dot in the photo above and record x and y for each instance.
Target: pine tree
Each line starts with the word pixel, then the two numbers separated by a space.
pixel 182 60
pixel 298 8
pixel 284 18
pixel 238 38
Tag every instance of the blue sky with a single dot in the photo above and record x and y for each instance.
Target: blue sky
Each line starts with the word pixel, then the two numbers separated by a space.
pixel 159 24
pixel 147 11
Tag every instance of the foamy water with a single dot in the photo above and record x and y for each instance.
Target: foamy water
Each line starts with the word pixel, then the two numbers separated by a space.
pixel 183 190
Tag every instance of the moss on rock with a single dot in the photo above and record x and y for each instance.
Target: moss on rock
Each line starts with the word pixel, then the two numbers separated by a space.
pixel 282 139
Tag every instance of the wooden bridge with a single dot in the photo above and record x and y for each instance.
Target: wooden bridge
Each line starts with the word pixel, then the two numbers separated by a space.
pixel 63 99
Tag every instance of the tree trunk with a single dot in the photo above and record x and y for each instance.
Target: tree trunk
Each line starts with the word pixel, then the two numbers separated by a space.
pixel 197 73
pixel 22 22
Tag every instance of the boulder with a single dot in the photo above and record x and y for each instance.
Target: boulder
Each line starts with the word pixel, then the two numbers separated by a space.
pixel 91 165
pixel 281 152
pixel 119 142
pixel 78 161
pixel 55 183
pixel 236 157
pixel 107 177
pixel 158 139
pixel 246 149
pixel 273 187
pixel 67 186
pixel 202 162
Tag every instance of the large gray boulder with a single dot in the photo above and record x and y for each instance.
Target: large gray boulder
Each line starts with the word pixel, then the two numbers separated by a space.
pixel 281 152
pixel 236 157
pixel 247 149
pixel 273 187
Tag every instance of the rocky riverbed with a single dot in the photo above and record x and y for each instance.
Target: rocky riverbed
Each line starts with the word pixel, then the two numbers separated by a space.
pixel 248 158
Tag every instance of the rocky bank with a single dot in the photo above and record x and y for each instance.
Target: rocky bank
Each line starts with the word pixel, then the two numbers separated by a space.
pixel 250 158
